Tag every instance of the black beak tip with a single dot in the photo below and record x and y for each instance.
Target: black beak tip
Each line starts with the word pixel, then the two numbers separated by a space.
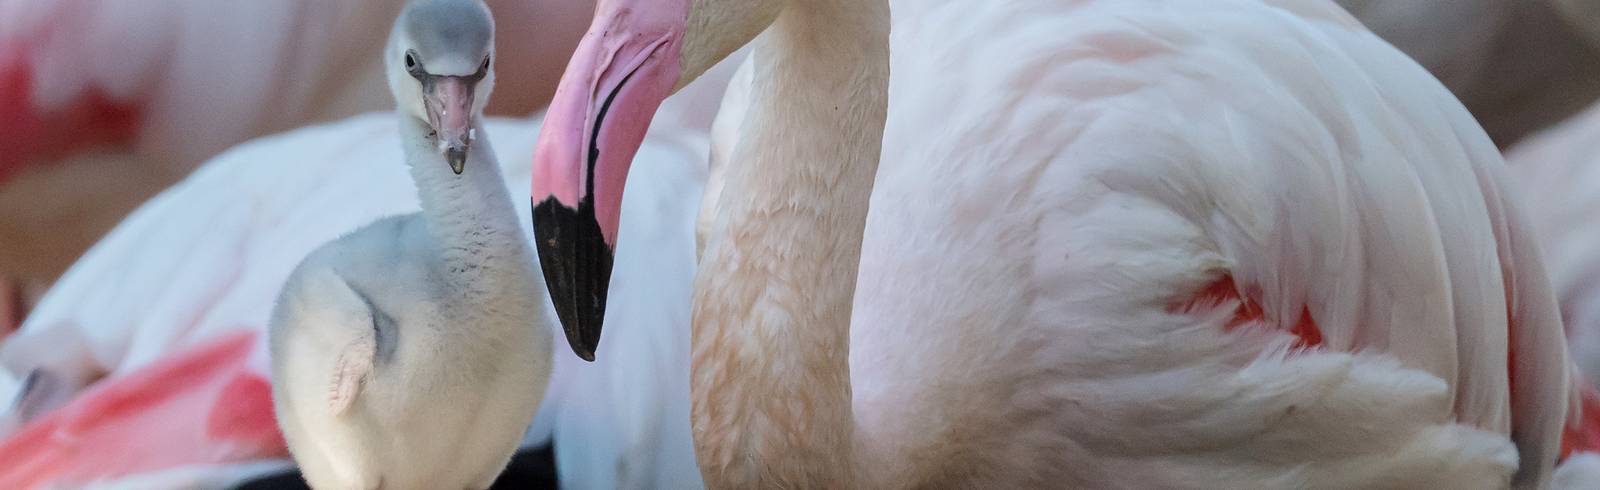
pixel 577 269
pixel 581 346
pixel 457 158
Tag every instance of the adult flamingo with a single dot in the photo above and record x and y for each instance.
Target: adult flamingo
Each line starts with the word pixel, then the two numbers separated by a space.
pixel 1213 244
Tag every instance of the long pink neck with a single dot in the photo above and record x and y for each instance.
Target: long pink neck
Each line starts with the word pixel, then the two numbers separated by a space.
pixel 771 377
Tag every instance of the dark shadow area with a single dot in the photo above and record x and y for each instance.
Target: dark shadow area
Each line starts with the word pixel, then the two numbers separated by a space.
pixel 532 468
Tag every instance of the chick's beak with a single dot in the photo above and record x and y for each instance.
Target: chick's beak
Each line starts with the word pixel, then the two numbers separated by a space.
pixel 449 104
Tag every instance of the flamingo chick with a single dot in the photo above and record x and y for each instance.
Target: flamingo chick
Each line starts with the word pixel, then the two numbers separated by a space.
pixel 408 354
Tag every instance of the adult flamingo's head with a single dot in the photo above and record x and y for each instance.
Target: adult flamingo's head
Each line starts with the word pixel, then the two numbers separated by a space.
pixel 438 65
pixel 636 53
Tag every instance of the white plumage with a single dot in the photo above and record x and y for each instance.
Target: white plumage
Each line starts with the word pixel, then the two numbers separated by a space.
pixel 1148 151
pixel 1060 178
pixel 409 354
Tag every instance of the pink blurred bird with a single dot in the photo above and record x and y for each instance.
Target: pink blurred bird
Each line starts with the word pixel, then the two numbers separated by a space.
pixel 1559 170
pixel 152 419
pixel 107 102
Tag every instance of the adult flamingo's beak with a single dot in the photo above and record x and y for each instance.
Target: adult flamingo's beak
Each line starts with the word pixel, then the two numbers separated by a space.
pixel 626 65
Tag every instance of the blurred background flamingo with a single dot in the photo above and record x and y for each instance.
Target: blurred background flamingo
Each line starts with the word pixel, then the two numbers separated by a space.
pixel 1559 171
pixel 111 102
pixel 108 102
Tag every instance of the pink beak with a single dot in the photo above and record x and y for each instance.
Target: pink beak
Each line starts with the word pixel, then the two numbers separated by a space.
pixel 449 104
pixel 623 69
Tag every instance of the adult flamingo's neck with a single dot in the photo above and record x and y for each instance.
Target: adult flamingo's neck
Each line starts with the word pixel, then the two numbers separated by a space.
pixel 770 370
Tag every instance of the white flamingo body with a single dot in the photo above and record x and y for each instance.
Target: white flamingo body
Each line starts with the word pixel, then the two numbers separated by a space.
pixel 446 411
pixel 459 388
pixel 1085 181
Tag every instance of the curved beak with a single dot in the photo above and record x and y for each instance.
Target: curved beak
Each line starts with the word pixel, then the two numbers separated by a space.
pixel 449 103
pixel 626 65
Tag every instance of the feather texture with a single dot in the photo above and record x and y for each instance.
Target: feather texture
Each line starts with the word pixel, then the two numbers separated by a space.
pixel 1080 167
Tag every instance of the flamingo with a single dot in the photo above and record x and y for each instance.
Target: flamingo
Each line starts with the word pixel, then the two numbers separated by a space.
pixel 1480 50
pixel 412 352
pixel 1174 244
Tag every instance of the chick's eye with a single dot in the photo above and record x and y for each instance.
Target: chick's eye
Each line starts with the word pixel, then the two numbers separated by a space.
pixel 411 61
